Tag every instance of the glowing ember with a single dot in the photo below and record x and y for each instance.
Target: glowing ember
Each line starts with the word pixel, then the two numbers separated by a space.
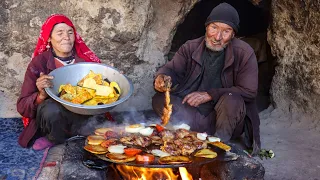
pixel 141 173
pixel 184 174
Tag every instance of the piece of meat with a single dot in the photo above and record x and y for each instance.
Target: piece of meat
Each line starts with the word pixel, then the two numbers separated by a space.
pixel 167 110
pixel 167 135
pixel 156 140
pixel 111 134
pixel 200 144
pixel 181 133
pixel 128 140
pixel 187 148
pixel 170 148
pixel 142 141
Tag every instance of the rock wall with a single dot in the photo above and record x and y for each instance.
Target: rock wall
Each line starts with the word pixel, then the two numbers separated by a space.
pixel 294 37
pixel 134 35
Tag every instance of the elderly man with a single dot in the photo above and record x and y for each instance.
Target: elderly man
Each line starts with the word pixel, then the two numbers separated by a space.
pixel 215 82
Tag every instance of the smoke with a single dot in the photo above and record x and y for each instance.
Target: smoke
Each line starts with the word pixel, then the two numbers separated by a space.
pixel 124 118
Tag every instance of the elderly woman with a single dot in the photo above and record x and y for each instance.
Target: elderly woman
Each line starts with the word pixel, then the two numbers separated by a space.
pixel 58 45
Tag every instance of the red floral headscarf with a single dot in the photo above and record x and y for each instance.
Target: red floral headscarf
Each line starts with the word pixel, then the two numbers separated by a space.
pixel 82 49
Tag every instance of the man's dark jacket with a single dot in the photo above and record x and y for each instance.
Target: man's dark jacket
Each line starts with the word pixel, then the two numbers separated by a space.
pixel 239 76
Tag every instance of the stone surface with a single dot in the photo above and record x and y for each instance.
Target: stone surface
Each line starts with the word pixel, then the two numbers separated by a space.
pixel 133 35
pixel 72 167
pixel 55 155
pixel 294 37
pixel 242 168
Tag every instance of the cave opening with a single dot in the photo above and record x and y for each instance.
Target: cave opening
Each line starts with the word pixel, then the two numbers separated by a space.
pixel 254 21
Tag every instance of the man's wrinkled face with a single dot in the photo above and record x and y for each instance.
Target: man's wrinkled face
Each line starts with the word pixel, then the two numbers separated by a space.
pixel 62 39
pixel 218 35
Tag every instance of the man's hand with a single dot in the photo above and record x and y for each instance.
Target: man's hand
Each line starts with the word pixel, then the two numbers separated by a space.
pixel 42 82
pixel 196 98
pixel 159 83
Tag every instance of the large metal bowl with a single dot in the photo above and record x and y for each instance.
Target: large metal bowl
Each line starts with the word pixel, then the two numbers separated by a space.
pixel 74 73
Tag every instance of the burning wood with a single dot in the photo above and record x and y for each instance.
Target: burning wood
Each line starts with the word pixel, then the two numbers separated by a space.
pixel 167 110
pixel 142 173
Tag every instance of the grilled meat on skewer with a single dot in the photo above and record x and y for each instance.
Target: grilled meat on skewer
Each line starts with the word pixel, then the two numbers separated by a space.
pixel 167 110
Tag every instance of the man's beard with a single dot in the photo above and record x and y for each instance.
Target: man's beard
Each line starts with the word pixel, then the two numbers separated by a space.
pixel 218 48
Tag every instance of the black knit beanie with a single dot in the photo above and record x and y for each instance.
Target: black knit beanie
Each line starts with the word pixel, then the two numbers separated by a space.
pixel 224 13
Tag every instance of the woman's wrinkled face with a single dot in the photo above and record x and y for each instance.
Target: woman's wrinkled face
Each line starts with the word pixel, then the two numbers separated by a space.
pixel 62 39
pixel 218 35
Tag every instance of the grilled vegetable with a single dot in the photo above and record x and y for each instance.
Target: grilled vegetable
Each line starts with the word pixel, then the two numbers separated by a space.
pixel 221 146
pixel 175 160
pixel 206 153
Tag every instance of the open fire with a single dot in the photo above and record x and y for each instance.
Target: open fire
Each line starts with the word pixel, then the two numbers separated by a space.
pixel 143 173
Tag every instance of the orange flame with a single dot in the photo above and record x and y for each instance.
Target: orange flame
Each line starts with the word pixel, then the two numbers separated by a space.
pixel 184 174
pixel 142 173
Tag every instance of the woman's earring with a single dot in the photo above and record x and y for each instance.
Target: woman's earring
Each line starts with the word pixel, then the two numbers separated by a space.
pixel 48 46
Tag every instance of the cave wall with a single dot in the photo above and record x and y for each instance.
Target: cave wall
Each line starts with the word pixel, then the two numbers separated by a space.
pixel 134 35
pixel 294 36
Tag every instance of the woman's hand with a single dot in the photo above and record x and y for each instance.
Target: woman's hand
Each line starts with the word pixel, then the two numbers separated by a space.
pixel 44 81
pixel 159 83
pixel 196 98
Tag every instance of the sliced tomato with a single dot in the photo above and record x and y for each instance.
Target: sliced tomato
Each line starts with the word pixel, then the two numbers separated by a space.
pixel 132 151
pixel 145 158
pixel 159 128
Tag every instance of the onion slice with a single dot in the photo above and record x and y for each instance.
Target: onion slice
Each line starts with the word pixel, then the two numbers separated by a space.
pixel 146 131
pixel 213 139
pixel 181 126
pixel 119 148
pixel 202 136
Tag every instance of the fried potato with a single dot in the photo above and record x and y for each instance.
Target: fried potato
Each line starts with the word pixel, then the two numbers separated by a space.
pixel 120 158
pixel 80 90
pixel 206 153
pixel 91 90
pixel 221 145
pixel 98 79
pixel 91 74
pixel 67 97
pixel 96 149
pixel 81 98
pixel 69 89
pixel 174 160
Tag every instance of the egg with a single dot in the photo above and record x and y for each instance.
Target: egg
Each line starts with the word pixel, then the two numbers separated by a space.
pixel 146 131
pixel 181 126
pixel 135 128
pixel 119 148
pixel 159 153
pixel 202 136
pixel 213 139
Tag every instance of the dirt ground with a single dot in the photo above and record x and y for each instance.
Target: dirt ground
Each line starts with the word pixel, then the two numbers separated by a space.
pixel 296 147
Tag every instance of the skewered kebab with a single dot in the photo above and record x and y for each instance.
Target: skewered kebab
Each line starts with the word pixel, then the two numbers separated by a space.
pixel 167 110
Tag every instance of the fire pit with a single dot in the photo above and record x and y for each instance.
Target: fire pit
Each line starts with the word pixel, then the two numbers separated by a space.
pixel 76 161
